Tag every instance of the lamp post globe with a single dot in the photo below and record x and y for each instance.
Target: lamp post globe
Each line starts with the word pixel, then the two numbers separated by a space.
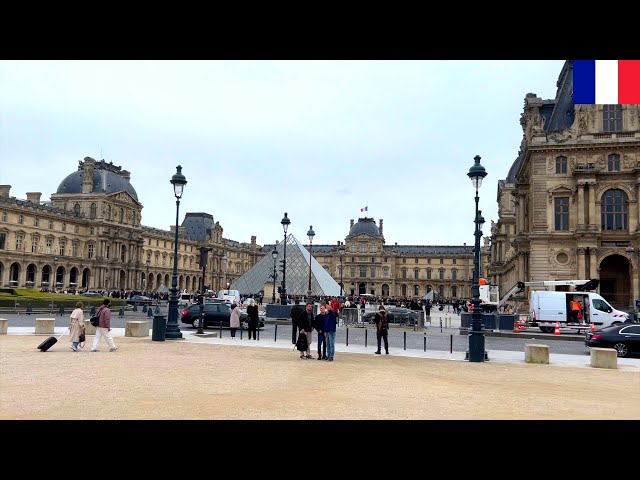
pixel 476 352
pixel 285 222
pixel 310 234
pixel 274 256
pixel 173 332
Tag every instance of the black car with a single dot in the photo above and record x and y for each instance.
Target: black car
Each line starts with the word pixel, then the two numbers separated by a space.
pixel 625 338
pixel 214 313
pixel 139 300
pixel 397 316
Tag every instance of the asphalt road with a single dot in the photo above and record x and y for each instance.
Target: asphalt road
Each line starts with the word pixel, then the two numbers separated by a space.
pixel 442 339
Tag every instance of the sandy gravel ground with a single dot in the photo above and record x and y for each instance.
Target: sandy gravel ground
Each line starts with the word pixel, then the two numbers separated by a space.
pixel 182 380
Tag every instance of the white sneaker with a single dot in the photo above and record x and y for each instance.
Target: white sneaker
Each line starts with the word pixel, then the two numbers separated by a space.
pixel 73 348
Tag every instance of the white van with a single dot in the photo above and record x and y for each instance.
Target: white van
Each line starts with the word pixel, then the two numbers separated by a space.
pixel 185 299
pixel 548 307
pixel 229 295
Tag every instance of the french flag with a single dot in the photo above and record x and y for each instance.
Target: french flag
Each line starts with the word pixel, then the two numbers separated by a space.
pixel 606 82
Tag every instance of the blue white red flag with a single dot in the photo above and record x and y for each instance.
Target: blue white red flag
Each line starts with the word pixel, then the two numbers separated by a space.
pixel 606 82
pixel 364 209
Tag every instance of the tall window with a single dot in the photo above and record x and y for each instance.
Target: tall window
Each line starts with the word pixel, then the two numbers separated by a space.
pixel 19 243
pixel 50 224
pixel 74 249
pixel 441 274
pixel 404 273
pixel 612 118
pixel 441 290
pixel 454 292
pixel 121 215
pixel 416 290
pixel 561 164
pixel 63 245
pixel 108 212
pixel 441 261
pixel 4 216
pixel 49 246
pixel 76 209
pixel 454 261
pixel 454 274
pixel 613 163
pixel 428 274
pixel 20 219
pixel 3 237
pixel 93 210
pixel 36 222
pixel 614 210
pixel 428 260
pixel 123 253
pixel 34 244
pixel 561 213
pixel 416 274
pixel 363 248
pixel 64 227
pixel 90 250
pixel 107 251
pixel 385 272
pixel 416 260
pixel 404 290
pixel 373 272
pixel 404 260
pixel 363 272
pixel 353 272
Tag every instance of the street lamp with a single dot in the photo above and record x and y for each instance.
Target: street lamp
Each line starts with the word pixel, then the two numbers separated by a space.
pixel 224 272
pixel 274 255
pixel 283 295
pixel 310 234
pixel 476 351
pixel 173 332
pixel 341 250
pixel 146 281
pixel 55 273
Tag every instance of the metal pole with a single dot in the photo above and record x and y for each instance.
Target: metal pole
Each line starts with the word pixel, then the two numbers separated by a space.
pixel 347 336
pixel 365 337
pixel 173 330
pixel 275 335
pixel 202 314
pixel 310 248
pixel 476 335
pixel 405 339
pixel 283 295
pixel 340 253
pixel 273 298
pixel 425 341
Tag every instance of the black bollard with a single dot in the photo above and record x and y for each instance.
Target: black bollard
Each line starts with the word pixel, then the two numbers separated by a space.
pixel 121 314
pixel 144 308
pixel 275 335
pixel 29 308
pixel 61 311
pixel 451 345
pixel 440 324
pixel 405 339
pixel 220 329
pixel 240 331
pixel 365 337
pixel 425 341
pixel 150 312
pixel 347 336
pixel 258 331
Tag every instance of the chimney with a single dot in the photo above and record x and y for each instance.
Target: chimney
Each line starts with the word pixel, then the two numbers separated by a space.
pixel 253 239
pixel 338 243
pixel 87 175
pixel 381 226
pixel 34 197
pixel 126 175
pixel 351 223
pixel 4 190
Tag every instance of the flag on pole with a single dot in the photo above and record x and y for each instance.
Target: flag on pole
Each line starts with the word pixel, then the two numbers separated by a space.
pixel 606 82
pixel 364 209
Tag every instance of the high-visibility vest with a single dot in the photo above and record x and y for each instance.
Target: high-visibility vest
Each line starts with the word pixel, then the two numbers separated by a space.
pixel 575 305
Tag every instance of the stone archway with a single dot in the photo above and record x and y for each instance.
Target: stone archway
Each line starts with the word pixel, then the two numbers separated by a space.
pixel 14 274
pixel 385 290
pixel 362 288
pixel 615 281
pixel 86 278
pixel 123 280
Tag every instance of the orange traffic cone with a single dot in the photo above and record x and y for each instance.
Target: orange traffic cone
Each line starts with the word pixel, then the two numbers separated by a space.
pixel 516 327
pixel 557 330
pixel 593 327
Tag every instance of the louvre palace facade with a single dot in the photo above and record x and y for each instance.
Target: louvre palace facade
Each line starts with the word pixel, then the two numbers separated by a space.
pixel 90 236
pixel 568 207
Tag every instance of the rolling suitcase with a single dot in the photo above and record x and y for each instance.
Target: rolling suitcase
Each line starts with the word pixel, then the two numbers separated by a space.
pixel 50 342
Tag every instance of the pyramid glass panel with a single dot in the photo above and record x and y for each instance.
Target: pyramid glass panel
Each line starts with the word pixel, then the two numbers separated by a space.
pixel 322 283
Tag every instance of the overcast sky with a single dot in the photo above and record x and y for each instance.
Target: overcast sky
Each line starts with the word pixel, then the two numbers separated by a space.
pixel 317 139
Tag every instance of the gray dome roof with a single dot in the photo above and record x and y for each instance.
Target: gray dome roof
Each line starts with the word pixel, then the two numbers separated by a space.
pixel 104 181
pixel 365 225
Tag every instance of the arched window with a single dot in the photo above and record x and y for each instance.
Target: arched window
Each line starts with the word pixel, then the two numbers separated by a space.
pixel 121 215
pixel 454 292
pixel 76 209
pixel 92 212
pixel 614 210
pixel 561 164
pixel 613 162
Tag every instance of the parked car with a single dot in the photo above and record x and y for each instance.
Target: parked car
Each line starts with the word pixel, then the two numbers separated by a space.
pixel 397 316
pixel 139 300
pixel 214 314
pixel 91 294
pixel 625 338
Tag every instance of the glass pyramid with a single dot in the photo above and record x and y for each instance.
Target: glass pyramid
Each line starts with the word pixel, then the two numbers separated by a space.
pixel 322 283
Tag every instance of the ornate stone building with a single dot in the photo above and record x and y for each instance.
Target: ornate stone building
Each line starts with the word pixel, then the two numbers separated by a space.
pixel 90 237
pixel 369 266
pixel 568 208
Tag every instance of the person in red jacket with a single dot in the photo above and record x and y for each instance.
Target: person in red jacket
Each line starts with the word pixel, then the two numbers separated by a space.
pixel 104 327
pixel 335 306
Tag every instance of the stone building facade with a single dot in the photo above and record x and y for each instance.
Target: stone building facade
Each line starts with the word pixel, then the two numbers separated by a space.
pixel 568 208
pixel 89 236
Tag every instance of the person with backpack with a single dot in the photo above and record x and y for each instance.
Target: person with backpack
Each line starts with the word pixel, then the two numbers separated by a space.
pixel 305 322
pixel 382 329
pixel 104 327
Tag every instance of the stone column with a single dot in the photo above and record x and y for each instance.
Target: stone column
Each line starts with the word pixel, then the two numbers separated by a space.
pixel 580 204
pixel 593 263
pixel 592 205
pixel 580 252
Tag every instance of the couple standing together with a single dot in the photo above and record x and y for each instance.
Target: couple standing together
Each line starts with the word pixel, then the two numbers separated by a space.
pixel 324 323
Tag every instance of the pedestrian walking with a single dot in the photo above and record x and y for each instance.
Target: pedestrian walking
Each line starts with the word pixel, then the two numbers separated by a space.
pixel 76 327
pixel 104 327
pixel 295 313
pixel 234 321
pixel 254 318
pixel 382 329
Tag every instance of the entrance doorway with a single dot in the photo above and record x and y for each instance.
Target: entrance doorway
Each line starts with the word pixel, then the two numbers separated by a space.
pixel 615 281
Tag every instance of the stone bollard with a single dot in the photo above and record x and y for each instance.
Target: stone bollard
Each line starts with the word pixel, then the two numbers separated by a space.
pixel 536 354
pixel 4 324
pixel 45 325
pixel 136 328
pixel 604 357
pixel 88 328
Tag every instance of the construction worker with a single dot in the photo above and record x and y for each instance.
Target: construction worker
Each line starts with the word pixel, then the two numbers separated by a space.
pixel 576 311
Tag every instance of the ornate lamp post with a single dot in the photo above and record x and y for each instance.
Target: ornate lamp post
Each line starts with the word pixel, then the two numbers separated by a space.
pixel 224 272
pixel 55 273
pixel 274 255
pixel 341 250
pixel 310 234
pixel 476 351
pixel 283 295
pixel 173 332
pixel 146 281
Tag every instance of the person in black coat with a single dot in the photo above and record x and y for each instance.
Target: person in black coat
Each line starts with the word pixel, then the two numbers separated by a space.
pixel 318 324
pixel 295 313
pixel 305 327
pixel 254 318
pixel 382 329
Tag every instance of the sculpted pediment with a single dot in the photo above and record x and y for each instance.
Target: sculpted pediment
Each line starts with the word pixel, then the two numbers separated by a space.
pixel 124 197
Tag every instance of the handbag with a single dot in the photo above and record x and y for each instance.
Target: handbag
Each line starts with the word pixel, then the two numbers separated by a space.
pixel 81 338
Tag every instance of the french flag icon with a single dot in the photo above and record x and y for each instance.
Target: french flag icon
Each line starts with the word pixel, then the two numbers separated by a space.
pixel 606 82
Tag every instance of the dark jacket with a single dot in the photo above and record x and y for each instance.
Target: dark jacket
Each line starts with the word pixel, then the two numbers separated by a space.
pixel 296 311
pixel 382 321
pixel 330 321
pixel 254 317
pixel 304 323
pixel 319 322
